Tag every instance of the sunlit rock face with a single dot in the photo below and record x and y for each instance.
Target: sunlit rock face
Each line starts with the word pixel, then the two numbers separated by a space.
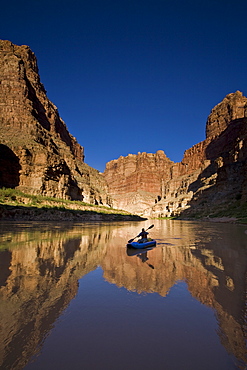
pixel 211 175
pixel 136 181
pixel 35 142
pixel 38 155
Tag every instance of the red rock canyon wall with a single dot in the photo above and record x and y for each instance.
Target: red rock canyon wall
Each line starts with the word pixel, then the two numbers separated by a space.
pixel 37 153
pixel 211 173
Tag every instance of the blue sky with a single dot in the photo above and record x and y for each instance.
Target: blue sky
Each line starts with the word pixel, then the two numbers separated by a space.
pixel 133 76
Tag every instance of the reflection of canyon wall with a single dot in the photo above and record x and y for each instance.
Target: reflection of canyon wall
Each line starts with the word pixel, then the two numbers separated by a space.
pixel 214 271
pixel 40 269
pixel 212 173
pixel 38 279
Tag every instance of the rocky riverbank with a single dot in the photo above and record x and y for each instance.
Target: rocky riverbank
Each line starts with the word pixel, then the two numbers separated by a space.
pixel 18 206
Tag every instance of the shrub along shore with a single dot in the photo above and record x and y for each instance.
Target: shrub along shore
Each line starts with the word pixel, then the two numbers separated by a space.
pixel 18 206
pixel 15 205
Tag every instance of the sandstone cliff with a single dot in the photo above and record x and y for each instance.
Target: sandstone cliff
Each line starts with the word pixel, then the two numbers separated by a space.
pixel 39 156
pixel 210 177
pixel 37 153
pixel 136 181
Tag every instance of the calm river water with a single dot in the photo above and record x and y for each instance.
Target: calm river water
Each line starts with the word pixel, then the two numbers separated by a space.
pixel 73 297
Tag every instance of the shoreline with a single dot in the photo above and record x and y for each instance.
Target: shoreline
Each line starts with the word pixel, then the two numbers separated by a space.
pixel 232 220
pixel 22 213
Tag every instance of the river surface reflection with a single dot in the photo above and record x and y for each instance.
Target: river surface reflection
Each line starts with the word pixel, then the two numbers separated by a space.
pixel 73 297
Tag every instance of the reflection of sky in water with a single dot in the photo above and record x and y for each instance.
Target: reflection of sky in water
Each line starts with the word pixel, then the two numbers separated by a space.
pixel 74 292
pixel 126 330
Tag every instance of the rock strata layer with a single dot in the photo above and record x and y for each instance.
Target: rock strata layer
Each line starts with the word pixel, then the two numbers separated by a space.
pixel 211 175
pixel 38 155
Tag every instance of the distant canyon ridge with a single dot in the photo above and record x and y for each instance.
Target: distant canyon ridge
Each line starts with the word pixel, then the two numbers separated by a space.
pixel 38 155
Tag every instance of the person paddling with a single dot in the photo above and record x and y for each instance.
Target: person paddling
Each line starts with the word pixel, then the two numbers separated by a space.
pixel 143 235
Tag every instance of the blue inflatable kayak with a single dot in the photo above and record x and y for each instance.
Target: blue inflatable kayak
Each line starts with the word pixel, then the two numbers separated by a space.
pixel 139 245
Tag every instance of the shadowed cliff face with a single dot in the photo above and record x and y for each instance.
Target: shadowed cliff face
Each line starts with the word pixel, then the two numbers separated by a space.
pixel 232 107
pixel 152 185
pixel 50 160
pixel 46 159
pixel 223 182
pixel 40 270
pixel 9 168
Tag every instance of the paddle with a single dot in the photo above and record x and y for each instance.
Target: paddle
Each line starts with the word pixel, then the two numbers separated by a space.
pixel 131 240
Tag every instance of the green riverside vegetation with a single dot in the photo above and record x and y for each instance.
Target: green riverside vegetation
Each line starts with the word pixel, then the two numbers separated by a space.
pixel 12 199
